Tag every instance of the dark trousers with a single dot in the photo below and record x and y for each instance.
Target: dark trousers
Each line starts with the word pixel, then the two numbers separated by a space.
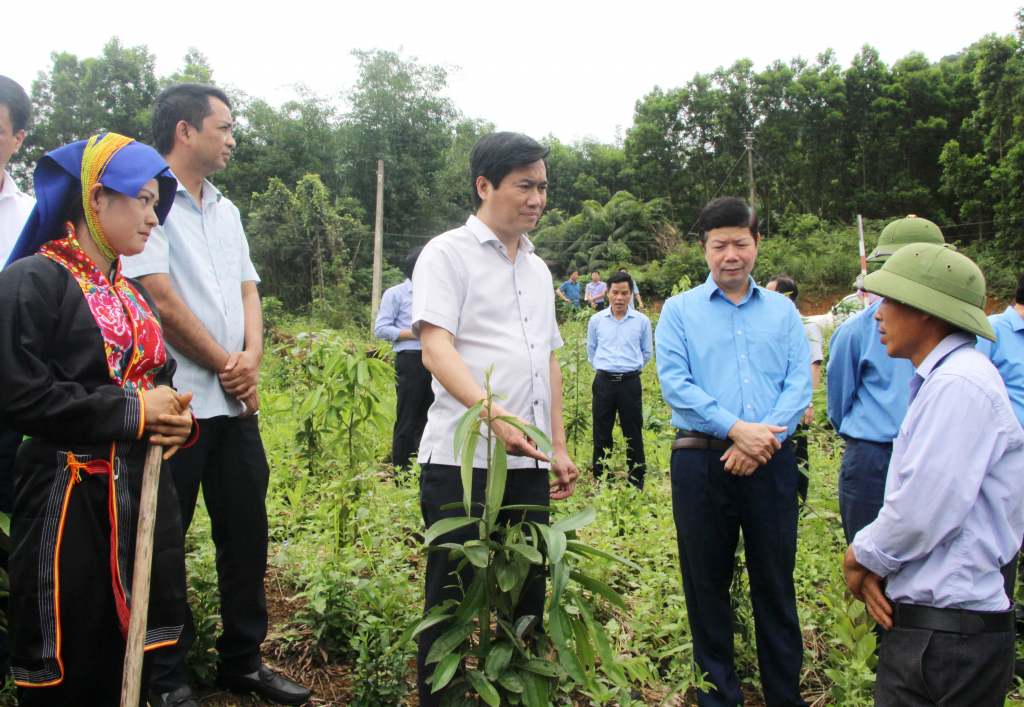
pixel 919 667
pixel 711 506
pixel 441 484
pixel 414 400
pixel 229 463
pixel 9 443
pixel 862 483
pixel 624 397
pixel 801 450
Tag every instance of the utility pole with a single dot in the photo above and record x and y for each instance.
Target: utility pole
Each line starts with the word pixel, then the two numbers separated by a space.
pixel 750 164
pixel 378 242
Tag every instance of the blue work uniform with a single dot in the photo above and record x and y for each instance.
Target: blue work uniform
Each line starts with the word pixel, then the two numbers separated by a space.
pixel 867 401
pixel 721 362
pixel 572 291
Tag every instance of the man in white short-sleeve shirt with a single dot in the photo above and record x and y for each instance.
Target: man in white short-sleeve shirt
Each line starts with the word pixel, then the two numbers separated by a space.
pixel 197 268
pixel 15 205
pixel 482 299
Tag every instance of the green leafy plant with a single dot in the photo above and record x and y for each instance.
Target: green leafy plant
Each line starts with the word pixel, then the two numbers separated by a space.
pixel 487 651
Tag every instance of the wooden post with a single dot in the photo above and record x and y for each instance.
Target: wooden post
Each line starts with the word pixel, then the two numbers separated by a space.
pixel 378 242
pixel 750 164
pixel 863 257
pixel 131 678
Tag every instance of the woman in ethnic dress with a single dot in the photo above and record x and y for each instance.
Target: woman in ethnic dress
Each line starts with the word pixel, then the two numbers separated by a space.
pixel 85 377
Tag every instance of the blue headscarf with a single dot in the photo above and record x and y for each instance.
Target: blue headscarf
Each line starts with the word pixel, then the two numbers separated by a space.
pixel 58 186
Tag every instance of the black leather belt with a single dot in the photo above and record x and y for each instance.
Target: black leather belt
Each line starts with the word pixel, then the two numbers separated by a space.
pixel 962 621
pixel 606 375
pixel 685 439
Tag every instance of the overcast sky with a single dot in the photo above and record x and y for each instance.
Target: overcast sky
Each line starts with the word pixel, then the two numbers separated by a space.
pixel 563 67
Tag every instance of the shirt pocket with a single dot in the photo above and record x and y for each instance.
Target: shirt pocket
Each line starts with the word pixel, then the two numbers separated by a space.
pixel 769 352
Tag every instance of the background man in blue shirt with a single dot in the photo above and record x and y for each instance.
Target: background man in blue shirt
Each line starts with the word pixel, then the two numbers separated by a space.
pixel 868 391
pixel 1007 355
pixel 569 290
pixel 618 347
pixel 735 369
pixel 635 293
pixel 412 379
pixel 953 513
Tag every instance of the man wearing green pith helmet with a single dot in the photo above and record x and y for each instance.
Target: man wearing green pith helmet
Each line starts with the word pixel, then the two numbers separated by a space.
pixel 867 390
pixel 928 567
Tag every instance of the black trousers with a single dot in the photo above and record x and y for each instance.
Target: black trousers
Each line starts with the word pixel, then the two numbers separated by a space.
pixel 801 450
pixel 919 667
pixel 625 398
pixel 229 463
pixel 414 400
pixel 711 506
pixel 441 484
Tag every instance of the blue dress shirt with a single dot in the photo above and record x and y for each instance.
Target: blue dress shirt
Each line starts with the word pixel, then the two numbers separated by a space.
pixel 395 314
pixel 619 346
pixel 953 514
pixel 571 290
pixel 867 390
pixel 721 362
pixel 1008 355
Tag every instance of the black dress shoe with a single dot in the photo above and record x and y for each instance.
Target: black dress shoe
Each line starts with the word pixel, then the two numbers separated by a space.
pixel 182 697
pixel 267 684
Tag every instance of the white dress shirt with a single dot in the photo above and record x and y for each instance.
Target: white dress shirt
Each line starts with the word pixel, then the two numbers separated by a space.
pixel 502 315
pixel 954 495
pixel 207 256
pixel 15 206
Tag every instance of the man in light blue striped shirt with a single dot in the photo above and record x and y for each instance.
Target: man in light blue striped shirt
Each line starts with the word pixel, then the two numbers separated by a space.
pixel 412 379
pixel 619 345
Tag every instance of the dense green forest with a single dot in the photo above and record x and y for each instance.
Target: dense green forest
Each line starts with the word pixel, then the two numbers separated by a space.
pixel 941 139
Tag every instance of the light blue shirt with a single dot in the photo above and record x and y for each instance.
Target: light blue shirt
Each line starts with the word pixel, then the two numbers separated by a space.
pixel 721 362
pixel 395 314
pixel 954 494
pixel 207 257
pixel 1008 355
pixel 619 346
pixel 867 390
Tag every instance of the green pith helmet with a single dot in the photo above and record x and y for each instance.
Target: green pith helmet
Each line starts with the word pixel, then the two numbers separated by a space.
pixel 904 232
pixel 936 280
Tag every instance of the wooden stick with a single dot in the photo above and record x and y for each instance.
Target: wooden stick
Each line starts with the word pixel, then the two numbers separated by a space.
pixel 131 679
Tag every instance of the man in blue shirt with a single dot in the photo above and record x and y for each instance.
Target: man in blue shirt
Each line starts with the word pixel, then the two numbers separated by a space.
pixel 735 369
pixel 618 347
pixel 569 290
pixel 928 567
pixel 868 391
pixel 635 293
pixel 412 379
pixel 1007 354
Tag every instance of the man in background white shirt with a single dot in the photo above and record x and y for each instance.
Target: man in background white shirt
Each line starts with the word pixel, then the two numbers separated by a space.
pixel 482 298
pixel 15 205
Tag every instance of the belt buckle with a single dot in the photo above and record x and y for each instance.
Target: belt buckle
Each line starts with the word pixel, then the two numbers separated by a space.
pixel 617 377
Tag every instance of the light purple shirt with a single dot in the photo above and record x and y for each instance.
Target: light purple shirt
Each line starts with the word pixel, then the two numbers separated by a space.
pixel 598 288
pixel 954 496
pixel 394 315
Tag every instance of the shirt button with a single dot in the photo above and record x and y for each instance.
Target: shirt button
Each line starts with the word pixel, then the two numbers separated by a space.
pixel 531 346
pixel 520 292
pixel 748 407
pixel 745 380
pixel 537 402
pixel 743 355
pixel 537 375
pixel 526 319
pixel 739 332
